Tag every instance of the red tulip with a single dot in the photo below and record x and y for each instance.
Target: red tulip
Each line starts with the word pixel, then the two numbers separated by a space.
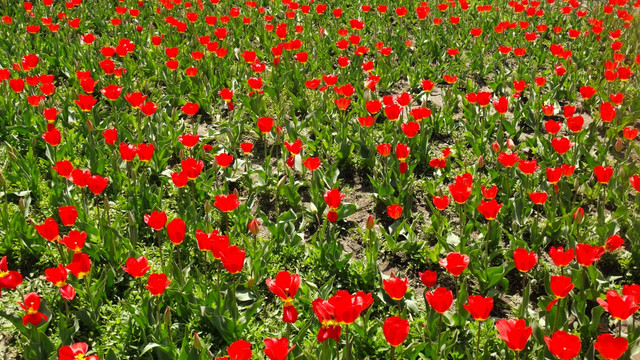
pixel 156 220
pixel 440 299
pixel 613 243
pixel 277 349
pixel 610 347
pixel 157 283
pixel 607 112
pixel 524 260
pixel 179 179
pixel 634 181
pixel 395 330
pixel 52 135
pixel 561 145
pixel 285 287
pixel 489 209
pixel 63 168
pixel 110 136
pixel 239 350
pixel 311 163
pixel 112 92
pixel 501 105
pixel 226 203
pixel 620 307
pixel 49 230
pixel 455 263
pixel 587 92
pixel 514 332
pixel 148 108
pixel 461 188
pixel 603 173
pixel 394 211
pixel 563 346
pixel 68 215
pixel 9 279
pixel 192 168
pixel 75 240
pixel 31 305
pixel 145 152
pixel 441 202
pixel 508 160
pixel 58 277
pixel 561 286
pixel 489 193
pixel 348 307
pixel 233 259
pixel 396 287
pixel 80 265
pixel 384 149
pixel 330 328
pixel 190 109
pixel 76 351
pixel 265 124
pixel 246 147
pixel 224 160
pixel 97 184
pixel 528 167
pixel 135 99
pixel 588 254
pixel 428 278
pixel 136 267
pixel 176 230
pixel 85 102
pixel 479 307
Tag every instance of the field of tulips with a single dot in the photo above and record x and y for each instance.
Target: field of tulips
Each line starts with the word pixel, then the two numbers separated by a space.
pixel 323 179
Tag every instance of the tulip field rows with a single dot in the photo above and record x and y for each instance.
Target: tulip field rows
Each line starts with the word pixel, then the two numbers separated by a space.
pixel 216 179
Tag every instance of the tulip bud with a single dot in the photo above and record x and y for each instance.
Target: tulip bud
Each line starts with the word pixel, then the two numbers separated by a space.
pixel 3 182
pixel 89 125
pixel 207 206
pixel 578 216
pixel 21 204
pixel 495 146
pixel 236 193
pixel 279 131
pixel 107 206
pixel 510 144
pixel 618 146
pixel 367 95
pixel 197 342
pixel 281 182
pixel 254 226
pixel 371 222
pixel 181 155
pixel 622 172
pixel 132 220
pixel 167 317
pixel 250 282
pixel 480 162
pixel 12 157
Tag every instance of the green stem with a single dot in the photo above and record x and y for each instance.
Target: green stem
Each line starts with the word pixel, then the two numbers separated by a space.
pixel 478 343
pixel 439 335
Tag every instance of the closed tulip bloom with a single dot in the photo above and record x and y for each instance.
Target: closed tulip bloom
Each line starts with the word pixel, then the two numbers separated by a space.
pixel 440 299
pixel 49 230
pixel 396 287
pixel 479 307
pixel 613 243
pixel 514 332
pixel 524 260
pixel 489 209
pixel 455 263
pixel 277 349
pixel 347 307
pixel 603 173
pixel 156 220
pixel 176 230
pixel 561 286
pixel 190 109
pixel 240 350
pixel 395 330
pixel 620 307
pixel 394 211
pixel 611 347
pixel 441 202
pixel 157 284
pixel 233 259
pixel 68 215
pixel 428 278
pixel 563 346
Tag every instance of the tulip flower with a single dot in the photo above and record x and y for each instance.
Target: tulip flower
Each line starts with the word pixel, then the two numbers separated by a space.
pixel 479 307
pixel 75 240
pixel 603 173
pixel 285 286
pixel 157 283
pixel 80 265
pixel 611 347
pixel 77 351
pixel 563 346
pixel 394 211
pixel 68 215
pixel 440 202
pixel 58 277
pixel 136 267
pixel 587 254
pixel 455 263
pixel 233 259
pixel 31 305
pixel 428 278
pixel 514 332
pixel 489 209
pixel 396 287
pixel 176 231
pixel 277 349
pixel 333 199
pixel 395 330
pixel 156 220
pixel 524 260
pixel 619 307
pixel 240 350
pixel 226 203
pixel 9 279
pixel 440 299
pixel 613 243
